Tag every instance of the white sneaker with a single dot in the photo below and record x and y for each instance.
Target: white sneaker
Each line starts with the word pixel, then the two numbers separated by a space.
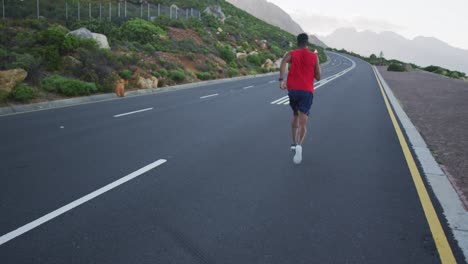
pixel 298 156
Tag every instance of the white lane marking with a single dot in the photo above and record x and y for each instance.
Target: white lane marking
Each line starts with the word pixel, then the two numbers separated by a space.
pixel 207 96
pixel 281 99
pixel 134 112
pixel 286 103
pixel 15 233
pixel 273 81
pixel 248 87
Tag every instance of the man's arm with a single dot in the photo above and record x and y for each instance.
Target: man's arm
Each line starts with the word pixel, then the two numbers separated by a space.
pixel 317 70
pixel 286 60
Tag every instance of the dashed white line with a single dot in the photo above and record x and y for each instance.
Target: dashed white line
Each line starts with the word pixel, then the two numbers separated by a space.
pixel 134 112
pixel 15 233
pixel 248 87
pixel 207 96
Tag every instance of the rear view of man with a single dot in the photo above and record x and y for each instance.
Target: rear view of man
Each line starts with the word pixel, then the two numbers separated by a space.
pixel 300 84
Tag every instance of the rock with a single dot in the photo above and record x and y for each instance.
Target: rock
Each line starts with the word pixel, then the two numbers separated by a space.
pixel 220 30
pixel 149 83
pixel 277 64
pixel 69 62
pixel 241 55
pixel 268 64
pixel 100 39
pixel 215 11
pixel 253 53
pixel 263 44
pixel 9 79
pixel 82 33
pixel 408 67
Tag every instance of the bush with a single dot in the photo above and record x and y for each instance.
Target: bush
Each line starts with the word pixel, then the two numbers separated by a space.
pixel 3 96
pixel 177 75
pixel 126 74
pixel 163 72
pixel 26 61
pixel 255 60
pixel 396 67
pixel 431 68
pixel 67 87
pixel 141 31
pixel 52 58
pixel 23 93
pixel 233 72
pixel 54 35
pixel 226 54
pixel 253 72
pixel 149 48
pixel 72 42
pixel 204 75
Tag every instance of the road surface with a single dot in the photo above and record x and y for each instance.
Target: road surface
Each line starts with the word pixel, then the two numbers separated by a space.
pixel 222 187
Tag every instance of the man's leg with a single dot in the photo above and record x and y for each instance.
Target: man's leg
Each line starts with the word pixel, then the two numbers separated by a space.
pixel 302 130
pixel 295 129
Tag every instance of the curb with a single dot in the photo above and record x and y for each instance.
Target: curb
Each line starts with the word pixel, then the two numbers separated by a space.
pixel 18 109
pixel 453 208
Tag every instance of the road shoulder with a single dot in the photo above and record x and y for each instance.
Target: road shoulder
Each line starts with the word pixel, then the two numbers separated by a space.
pixel 456 215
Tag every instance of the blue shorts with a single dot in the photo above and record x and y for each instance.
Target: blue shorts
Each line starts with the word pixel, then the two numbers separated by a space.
pixel 300 101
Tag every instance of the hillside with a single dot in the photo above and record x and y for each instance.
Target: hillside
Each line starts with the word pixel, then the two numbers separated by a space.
pixel 423 51
pixel 163 52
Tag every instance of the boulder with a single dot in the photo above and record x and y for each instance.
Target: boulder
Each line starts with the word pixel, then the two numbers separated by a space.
pixel 82 33
pixel 268 64
pixel 253 53
pixel 101 39
pixel 148 83
pixel 220 30
pixel 277 64
pixel 263 44
pixel 241 55
pixel 9 79
pixel 215 11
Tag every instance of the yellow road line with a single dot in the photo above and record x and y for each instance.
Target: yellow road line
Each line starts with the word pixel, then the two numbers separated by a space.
pixel 443 247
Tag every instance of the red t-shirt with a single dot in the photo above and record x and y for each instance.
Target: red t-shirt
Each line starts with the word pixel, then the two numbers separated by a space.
pixel 302 70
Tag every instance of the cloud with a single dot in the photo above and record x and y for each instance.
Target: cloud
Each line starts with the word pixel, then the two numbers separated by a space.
pixel 323 24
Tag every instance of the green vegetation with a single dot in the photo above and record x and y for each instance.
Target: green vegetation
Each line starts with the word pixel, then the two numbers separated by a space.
pixel 67 87
pixel 175 51
pixel 22 93
pixel 396 67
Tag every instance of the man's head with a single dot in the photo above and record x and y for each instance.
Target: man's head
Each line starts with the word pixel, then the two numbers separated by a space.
pixel 302 40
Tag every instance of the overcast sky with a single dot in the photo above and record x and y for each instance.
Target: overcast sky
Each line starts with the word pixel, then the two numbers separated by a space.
pixel 446 20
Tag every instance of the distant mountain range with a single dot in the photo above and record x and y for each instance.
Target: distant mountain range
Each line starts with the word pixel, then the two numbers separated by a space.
pixel 274 15
pixel 423 51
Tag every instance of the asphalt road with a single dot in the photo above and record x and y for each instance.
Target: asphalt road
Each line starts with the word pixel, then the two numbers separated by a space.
pixel 229 191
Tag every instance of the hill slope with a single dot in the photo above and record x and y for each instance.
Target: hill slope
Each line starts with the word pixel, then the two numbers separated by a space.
pixel 173 51
pixel 423 51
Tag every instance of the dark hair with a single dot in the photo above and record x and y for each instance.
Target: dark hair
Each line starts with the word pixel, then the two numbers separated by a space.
pixel 302 40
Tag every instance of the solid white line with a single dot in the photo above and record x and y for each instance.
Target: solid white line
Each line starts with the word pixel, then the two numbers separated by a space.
pixel 286 103
pixel 248 87
pixel 281 99
pixel 206 96
pixel 134 112
pixel 15 233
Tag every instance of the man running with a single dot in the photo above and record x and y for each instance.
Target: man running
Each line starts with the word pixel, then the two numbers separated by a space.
pixel 300 84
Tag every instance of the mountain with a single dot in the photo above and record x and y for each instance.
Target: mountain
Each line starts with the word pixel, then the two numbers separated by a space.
pixel 423 51
pixel 274 15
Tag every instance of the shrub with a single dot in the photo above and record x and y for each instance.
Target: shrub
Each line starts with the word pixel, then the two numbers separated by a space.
pixel 52 57
pixel 149 48
pixel 431 68
pixel 163 72
pixel 26 61
pixel 253 72
pixel 126 74
pixel 233 72
pixel 66 86
pixel 140 30
pixel 107 84
pixel 204 75
pixel 454 75
pixel 255 60
pixel 54 35
pixel 226 54
pixel 177 75
pixel 23 93
pixel 72 42
pixel 3 96
pixel 396 67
